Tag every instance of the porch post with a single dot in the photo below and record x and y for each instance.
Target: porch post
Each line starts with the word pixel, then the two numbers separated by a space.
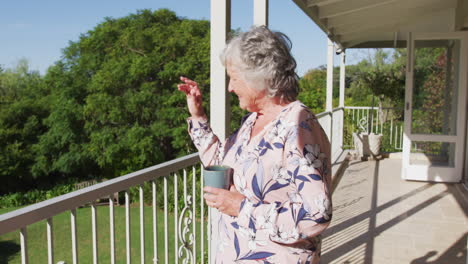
pixel 342 78
pixel 331 50
pixel 340 114
pixel 260 13
pixel 219 105
pixel 219 97
pixel 328 105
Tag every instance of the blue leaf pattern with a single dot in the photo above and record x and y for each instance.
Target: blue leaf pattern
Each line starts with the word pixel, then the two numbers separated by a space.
pixel 278 145
pixel 235 225
pixel 296 171
pixel 236 245
pixel 302 178
pixel 256 189
pixel 257 255
pixel 315 177
pixel 301 186
pixel 301 215
pixel 252 225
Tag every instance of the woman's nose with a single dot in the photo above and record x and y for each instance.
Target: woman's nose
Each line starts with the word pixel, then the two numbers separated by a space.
pixel 230 88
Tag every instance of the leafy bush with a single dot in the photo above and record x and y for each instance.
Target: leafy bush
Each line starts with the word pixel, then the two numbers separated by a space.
pixel 34 196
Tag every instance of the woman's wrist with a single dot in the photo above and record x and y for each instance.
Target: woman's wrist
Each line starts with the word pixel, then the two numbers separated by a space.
pixel 202 117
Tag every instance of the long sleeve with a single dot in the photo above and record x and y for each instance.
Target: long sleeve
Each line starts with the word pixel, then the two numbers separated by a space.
pixel 207 143
pixel 211 150
pixel 294 205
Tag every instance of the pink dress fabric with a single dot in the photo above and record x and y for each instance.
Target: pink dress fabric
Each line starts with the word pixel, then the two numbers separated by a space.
pixel 284 172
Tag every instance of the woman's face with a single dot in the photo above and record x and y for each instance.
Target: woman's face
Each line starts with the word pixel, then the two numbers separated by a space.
pixel 248 96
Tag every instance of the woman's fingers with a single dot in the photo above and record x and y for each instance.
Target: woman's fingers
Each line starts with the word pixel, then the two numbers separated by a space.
pixel 184 88
pixel 210 199
pixel 188 81
pixel 189 87
pixel 212 190
pixel 194 96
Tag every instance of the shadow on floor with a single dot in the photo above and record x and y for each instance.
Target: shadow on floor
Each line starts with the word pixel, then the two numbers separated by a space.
pixel 455 254
pixel 7 250
pixel 364 243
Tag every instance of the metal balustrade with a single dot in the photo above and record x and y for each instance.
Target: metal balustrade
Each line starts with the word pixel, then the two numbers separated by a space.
pixel 185 214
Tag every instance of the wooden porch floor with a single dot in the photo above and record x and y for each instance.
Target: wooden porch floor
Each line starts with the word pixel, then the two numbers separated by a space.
pixel 380 218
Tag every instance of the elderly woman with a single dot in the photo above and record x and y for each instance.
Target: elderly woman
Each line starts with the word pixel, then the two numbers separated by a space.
pixel 280 201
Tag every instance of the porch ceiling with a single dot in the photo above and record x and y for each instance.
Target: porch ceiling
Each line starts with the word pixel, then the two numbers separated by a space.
pixel 384 23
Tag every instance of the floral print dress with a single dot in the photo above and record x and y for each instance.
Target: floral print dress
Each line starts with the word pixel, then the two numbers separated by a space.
pixel 284 172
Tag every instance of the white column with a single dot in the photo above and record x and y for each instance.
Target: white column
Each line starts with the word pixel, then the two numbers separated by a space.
pixel 328 123
pixel 331 51
pixel 260 13
pixel 340 114
pixel 219 105
pixel 405 160
pixel 342 78
pixel 219 102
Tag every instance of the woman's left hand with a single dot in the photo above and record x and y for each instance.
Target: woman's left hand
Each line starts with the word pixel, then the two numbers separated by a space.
pixel 227 202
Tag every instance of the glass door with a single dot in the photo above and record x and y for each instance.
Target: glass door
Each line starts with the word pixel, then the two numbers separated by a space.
pixel 435 107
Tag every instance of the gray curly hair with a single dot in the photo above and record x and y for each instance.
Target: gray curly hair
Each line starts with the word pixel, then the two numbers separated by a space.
pixel 264 59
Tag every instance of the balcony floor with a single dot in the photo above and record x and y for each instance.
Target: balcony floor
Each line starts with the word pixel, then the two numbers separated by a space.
pixel 380 218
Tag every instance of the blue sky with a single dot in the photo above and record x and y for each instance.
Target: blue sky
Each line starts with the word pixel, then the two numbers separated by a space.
pixel 39 30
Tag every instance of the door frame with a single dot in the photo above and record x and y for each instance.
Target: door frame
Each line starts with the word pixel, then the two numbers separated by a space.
pixel 428 172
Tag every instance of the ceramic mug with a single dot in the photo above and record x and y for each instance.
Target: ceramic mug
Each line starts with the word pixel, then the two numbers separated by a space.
pixel 217 176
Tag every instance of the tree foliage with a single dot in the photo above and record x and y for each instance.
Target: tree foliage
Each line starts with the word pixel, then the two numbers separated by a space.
pixel 109 106
pixel 23 106
pixel 313 87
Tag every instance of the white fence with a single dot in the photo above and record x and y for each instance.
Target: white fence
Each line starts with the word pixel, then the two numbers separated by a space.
pixel 386 121
pixel 185 247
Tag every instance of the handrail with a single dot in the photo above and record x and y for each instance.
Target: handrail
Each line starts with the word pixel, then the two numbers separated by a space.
pixel 338 108
pixel 322 114
pixel 33 213
pixel 370 107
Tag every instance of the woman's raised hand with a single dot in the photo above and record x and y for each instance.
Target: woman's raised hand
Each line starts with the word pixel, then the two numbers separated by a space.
pixel 194 97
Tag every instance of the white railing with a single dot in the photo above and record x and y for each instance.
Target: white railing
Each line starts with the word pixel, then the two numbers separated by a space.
pixel 386 121
pixel 185 219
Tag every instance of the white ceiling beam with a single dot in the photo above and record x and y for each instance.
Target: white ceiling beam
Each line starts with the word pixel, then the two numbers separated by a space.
pixel 389 23
pixel 366 44
pixel 352 6
pixel 373 35
pixel 356 34
pixel 389 12
pixel 366 37
pixel 312 3
pixel 312 12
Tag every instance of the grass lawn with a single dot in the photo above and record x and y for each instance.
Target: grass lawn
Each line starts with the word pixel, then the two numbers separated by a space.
pixel 37 237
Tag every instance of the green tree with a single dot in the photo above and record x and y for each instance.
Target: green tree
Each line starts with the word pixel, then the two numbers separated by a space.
pixel 379 78
pixel 313 89
pixel 116 107
pixel 23 106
